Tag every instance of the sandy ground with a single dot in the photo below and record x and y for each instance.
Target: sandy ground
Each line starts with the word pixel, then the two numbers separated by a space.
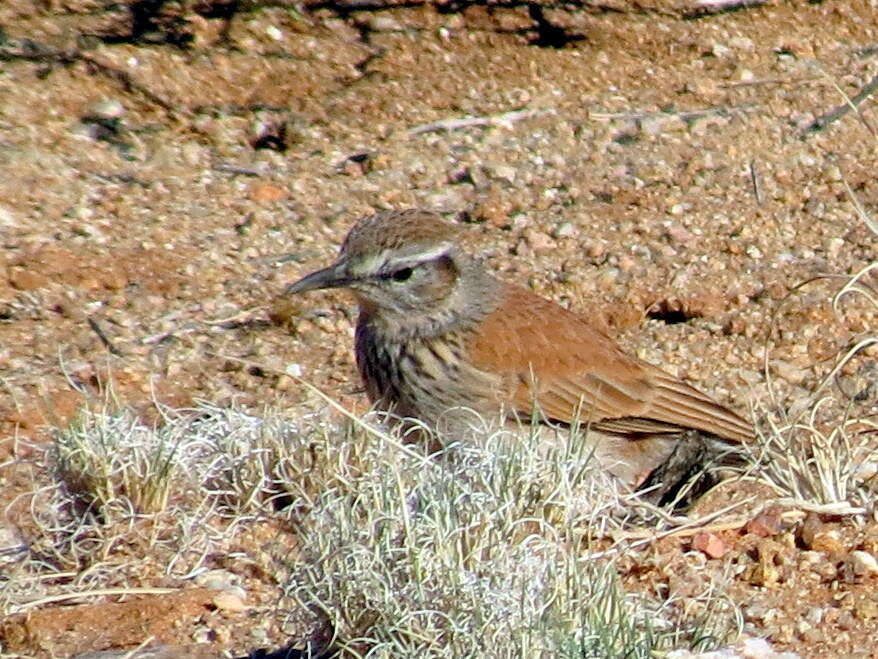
pixel 164 173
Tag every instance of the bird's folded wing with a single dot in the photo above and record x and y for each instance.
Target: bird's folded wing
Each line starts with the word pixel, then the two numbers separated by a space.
pixel 557 362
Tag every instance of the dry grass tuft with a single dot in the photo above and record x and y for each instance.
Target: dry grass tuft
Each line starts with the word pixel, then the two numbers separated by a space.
pixel 104 457
pixel 822 452
pixel 479 550
pixel 493 548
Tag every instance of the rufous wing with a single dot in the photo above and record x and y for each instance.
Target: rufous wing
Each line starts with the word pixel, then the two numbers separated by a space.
pixel 559 363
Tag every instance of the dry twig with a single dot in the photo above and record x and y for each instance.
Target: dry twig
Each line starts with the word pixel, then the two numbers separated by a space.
pixel 505 120
pixel 850 104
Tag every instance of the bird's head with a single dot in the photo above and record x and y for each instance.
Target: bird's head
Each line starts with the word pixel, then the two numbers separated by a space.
pixel 401 265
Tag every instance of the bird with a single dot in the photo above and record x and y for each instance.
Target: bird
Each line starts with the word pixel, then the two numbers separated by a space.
pixel 438 337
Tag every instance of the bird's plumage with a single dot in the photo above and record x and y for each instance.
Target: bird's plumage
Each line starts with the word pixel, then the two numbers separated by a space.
pixel 437 333
pixel 572 370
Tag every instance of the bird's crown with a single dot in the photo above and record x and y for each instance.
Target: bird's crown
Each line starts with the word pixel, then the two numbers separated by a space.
pixel 406 235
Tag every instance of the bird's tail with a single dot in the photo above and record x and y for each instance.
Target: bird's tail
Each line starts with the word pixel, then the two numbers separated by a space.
pixel 692 468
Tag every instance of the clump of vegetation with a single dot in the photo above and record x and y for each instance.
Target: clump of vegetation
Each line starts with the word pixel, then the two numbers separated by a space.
pixel 821 452
pixel 487 549
pixel 500 547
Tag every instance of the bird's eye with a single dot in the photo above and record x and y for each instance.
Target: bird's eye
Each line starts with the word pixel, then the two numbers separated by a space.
pixel 403 274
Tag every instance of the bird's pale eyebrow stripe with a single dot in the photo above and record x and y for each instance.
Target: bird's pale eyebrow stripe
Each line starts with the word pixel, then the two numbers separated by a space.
pixel 421 257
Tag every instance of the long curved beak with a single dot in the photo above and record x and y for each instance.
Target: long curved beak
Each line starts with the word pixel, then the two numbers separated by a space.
pixel 335 276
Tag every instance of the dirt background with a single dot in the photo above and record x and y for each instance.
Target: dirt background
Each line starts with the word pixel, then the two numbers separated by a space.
pixel 166 167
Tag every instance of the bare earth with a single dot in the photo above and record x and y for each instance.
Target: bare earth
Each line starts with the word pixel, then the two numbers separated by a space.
pixel 163 175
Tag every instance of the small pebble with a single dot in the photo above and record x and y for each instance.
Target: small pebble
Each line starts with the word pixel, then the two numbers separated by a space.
pixel 385 24
pixel 108 109
pixel 765 524
pixel 866 471
pixel 720 51
pixel 538 241
pixel 564 230
pixel 227 600
pixel 626 263
pixel 678 209
pixel 679 234
pixel 8 219
pixel 505 173
pixel 741 43
pixel 595 250
pixel 217 580
pixel 862 563
pixel 710 544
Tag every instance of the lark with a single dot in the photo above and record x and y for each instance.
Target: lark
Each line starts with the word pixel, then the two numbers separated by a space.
pixel 438 335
